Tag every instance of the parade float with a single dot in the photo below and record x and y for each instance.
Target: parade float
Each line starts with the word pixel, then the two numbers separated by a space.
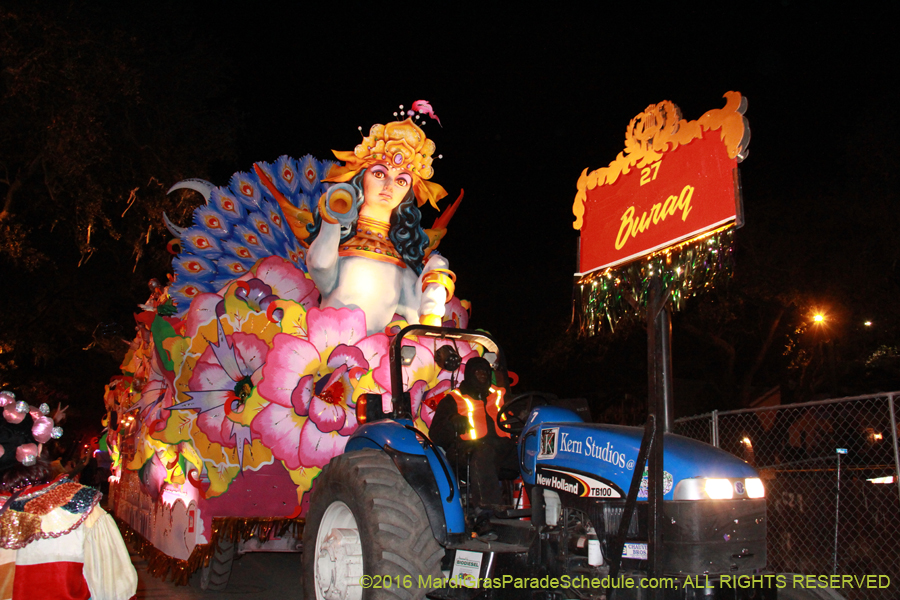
pixel 615 512
pixel 247 398
pixel 248 366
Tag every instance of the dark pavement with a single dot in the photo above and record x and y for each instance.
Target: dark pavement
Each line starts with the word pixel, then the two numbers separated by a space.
pixel 269 575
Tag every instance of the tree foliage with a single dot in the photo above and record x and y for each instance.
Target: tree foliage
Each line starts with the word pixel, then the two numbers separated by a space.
pixel 102 108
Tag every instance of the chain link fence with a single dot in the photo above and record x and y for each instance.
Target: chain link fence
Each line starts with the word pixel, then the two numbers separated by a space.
pixel 831 473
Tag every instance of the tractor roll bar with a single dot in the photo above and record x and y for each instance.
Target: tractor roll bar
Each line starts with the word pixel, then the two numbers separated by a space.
pixel 402 403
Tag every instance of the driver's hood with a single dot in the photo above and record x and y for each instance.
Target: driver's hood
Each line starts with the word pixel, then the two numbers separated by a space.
pixel 583 457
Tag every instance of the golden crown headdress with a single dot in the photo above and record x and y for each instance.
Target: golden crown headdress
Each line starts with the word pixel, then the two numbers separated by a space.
pixel 400 143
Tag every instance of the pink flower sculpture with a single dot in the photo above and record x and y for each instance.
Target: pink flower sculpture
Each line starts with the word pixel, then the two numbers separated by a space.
pixel 309 385
pixel 287 281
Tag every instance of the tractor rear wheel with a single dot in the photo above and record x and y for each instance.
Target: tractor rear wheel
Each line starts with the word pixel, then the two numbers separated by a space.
pixel 367 527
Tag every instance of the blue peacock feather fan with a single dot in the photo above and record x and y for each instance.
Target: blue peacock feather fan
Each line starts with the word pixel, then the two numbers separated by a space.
pixel 244 222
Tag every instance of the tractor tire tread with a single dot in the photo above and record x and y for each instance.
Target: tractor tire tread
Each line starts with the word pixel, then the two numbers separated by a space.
pixel 396 534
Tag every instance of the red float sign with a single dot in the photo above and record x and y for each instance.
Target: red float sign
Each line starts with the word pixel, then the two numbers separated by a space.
pixel 676 182
pixel 689 191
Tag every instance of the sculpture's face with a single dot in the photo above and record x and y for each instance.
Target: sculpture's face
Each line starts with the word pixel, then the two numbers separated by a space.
pixel 384 188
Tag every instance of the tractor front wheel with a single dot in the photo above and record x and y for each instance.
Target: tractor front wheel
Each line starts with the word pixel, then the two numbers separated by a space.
pixel 367 534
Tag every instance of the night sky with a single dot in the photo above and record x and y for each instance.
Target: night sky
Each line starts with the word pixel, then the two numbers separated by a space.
pixel 528 98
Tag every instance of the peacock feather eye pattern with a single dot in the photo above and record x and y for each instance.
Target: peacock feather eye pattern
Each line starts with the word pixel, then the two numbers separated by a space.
pixel 295 253
pixel 208 218
pixel 261 231
pixel 286 175
pixel 201 242
pixel 183 292
pixel 226 205
pixel 234 267
pixel 311 175
pixel 272 216
pixel 194 268
pixel 246 188
pixel 236 249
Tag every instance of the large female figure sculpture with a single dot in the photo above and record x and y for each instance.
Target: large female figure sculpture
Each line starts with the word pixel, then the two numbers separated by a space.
pixel 368 248
pixel 361 223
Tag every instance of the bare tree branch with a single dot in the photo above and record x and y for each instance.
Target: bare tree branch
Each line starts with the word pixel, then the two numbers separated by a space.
pixel 16 186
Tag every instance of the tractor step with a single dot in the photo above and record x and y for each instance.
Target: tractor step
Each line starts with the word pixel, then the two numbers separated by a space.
pixel 484 545
pixel 513 513
pixel 500 535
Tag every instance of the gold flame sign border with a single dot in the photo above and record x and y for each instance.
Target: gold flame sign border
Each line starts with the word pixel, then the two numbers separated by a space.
pixel 660 129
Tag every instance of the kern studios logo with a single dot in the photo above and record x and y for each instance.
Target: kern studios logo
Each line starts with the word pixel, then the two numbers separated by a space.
pixel 549 438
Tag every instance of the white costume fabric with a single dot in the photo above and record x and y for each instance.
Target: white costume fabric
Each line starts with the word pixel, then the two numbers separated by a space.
pixel 55 542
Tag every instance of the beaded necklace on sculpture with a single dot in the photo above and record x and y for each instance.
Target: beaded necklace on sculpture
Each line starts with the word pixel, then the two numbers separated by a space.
pixel 371 241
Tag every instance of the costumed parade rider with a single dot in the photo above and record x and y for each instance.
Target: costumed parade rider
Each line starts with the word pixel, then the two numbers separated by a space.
pixel 55 540
pixel 466 425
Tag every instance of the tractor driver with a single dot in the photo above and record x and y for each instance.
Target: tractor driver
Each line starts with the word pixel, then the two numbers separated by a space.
pixel 465 426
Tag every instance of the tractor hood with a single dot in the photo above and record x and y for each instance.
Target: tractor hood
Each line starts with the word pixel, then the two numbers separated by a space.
pixel 559 451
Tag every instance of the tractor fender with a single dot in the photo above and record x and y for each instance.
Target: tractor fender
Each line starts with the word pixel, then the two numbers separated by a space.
pixel 423 465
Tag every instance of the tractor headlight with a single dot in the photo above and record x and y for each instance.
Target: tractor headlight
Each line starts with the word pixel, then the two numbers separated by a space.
pixel 719 489
pixel 755 487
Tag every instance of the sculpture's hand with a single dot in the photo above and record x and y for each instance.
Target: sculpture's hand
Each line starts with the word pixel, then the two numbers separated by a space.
pixel 338 205
pixel 438 284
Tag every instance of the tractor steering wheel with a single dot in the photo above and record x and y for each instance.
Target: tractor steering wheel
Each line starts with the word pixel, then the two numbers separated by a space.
pixel 509 421
pixel 515 411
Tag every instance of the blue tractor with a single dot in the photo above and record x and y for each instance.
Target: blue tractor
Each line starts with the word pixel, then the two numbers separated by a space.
pixel 387 518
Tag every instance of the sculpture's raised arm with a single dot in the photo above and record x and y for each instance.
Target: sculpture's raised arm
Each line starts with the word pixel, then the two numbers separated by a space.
pixel 338 213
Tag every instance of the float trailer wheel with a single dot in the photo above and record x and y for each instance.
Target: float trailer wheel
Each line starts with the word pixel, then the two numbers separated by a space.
pixel 214 576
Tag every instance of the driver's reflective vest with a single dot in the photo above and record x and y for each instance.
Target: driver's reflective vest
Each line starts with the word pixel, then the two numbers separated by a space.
pixel 474 411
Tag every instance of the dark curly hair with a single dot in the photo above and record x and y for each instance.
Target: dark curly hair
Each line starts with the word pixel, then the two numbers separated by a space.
pixel 406 232
pixel 20 476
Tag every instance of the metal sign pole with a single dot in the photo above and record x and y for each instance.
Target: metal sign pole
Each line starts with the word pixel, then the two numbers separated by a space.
pixel 837 508
pixel 660 397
